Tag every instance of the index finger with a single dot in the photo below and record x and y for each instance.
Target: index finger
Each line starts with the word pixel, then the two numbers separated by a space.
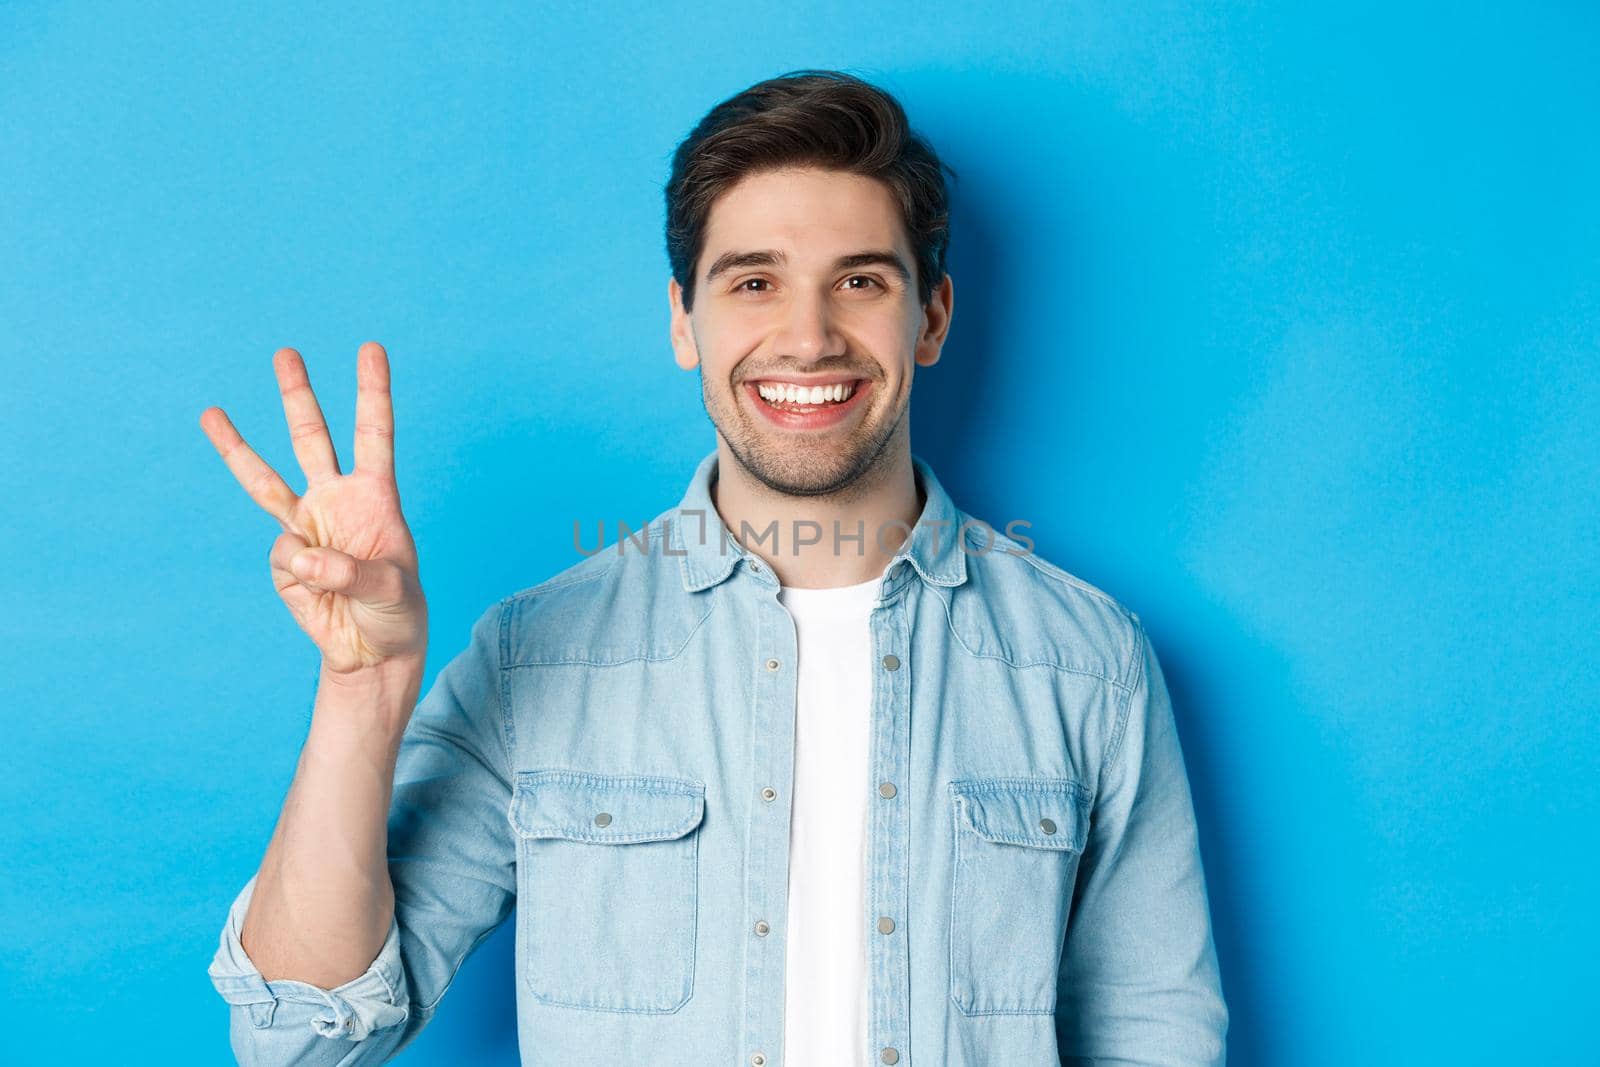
pixel 259 480
pixel 374 412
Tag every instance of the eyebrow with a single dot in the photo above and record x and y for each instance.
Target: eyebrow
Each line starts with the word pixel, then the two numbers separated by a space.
pixel 768 257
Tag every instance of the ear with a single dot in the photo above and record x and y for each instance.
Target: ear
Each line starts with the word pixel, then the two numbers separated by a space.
pixel 935 323
pixel 685 352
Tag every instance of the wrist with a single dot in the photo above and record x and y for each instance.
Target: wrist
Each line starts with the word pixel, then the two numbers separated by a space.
pixel 394 672
pixel 380 696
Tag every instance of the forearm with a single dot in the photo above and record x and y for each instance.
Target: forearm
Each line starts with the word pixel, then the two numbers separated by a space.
pixel 323 901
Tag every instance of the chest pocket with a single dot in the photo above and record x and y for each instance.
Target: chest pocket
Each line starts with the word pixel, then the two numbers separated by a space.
pixel 607 888
pixel 1017 845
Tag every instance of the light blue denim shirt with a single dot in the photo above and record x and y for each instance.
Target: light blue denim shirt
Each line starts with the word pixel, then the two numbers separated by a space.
pixel 611 757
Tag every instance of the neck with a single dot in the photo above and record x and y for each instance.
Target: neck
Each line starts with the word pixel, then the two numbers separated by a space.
pixel 884 496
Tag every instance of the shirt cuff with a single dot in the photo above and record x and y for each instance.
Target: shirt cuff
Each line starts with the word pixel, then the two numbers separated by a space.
pixel 374 1001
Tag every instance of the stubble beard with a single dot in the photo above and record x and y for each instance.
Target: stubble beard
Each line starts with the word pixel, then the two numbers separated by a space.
pixel 810 471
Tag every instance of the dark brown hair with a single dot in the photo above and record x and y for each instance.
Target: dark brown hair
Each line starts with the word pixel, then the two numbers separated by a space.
pixel 823 118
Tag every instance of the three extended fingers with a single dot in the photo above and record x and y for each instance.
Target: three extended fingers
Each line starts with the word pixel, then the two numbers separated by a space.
pixel 308 431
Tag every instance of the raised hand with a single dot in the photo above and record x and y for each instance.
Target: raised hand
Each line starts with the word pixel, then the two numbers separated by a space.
pixel 345 564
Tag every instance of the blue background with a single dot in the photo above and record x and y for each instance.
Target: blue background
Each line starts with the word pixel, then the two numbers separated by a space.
pixel 1279 326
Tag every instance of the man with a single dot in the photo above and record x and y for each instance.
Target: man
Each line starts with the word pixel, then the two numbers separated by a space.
pixel 817 769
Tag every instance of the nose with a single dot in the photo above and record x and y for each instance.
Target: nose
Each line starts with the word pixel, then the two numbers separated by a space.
pixel 807 331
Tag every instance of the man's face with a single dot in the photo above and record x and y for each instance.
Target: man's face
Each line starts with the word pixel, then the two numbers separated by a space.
pixel 806 280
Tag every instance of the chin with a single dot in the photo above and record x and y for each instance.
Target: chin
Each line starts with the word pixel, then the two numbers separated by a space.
pixel 801 469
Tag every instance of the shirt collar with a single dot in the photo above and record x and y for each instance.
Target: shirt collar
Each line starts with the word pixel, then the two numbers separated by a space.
pixel 708 552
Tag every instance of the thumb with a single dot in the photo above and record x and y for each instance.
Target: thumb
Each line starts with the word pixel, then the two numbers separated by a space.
pixel 328 569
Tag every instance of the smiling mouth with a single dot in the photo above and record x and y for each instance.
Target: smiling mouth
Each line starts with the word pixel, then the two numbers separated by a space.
pixel 791 406
pixel 786 396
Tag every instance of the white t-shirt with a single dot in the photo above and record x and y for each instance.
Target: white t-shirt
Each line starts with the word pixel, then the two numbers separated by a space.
pixel 825 962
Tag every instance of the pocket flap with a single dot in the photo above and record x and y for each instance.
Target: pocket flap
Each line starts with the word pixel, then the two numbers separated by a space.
pixel 609 809
pixel 1037 812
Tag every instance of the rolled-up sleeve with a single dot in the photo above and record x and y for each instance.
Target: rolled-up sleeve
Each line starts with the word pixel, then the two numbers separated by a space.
pixel 1139 982
pixel 453 867
pixel 283 1021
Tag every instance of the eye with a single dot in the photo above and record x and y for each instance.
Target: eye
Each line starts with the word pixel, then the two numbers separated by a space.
pixel 861 278
pixel 758 281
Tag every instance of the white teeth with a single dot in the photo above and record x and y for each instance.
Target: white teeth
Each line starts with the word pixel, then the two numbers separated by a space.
pixel 799 394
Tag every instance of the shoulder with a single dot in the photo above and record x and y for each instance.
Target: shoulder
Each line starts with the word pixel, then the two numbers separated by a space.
pixel 1028 610
pixel 625 602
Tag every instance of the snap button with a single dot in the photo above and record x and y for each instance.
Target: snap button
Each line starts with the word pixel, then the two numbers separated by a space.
pixel 885 925
pixel 603 819
pixel 892 662
pixel 1047 826
pixel 772 664
pixel 757 1060
pixel 886 789
pixel 762 927
pixel 889 1055
pixel 768 793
